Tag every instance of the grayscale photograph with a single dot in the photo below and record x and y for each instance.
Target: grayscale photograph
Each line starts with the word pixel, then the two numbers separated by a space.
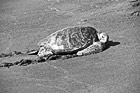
pixel 69 46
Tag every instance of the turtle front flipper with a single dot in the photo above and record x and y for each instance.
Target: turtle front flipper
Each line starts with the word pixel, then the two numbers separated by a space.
pixel 96 47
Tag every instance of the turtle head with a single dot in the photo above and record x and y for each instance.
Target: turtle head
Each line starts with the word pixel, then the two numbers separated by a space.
pixel 103 37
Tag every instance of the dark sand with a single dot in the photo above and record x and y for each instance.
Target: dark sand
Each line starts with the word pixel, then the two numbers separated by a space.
pixel 116 70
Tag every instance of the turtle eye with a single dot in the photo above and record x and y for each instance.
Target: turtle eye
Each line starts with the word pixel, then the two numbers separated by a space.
pixel 102 36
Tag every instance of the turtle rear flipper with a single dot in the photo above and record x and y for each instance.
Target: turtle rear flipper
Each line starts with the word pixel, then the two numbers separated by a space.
pixel 32 52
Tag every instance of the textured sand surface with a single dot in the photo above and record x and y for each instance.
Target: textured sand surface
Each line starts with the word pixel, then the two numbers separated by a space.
pixel 116 70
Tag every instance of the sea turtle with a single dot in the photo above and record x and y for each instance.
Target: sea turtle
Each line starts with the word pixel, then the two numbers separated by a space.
pixel 79 40
pixel 67 42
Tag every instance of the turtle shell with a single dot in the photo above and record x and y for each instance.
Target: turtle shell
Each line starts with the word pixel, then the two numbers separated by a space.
pixel 70 39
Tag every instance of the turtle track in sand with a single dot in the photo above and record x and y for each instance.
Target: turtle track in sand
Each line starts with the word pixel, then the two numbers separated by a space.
pixel 28 61
pixel 25 62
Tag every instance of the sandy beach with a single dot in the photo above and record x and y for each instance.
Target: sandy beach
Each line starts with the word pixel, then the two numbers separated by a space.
pixel 23 23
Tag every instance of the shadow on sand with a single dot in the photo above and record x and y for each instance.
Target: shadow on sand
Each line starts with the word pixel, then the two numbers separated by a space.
pixel 110 44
